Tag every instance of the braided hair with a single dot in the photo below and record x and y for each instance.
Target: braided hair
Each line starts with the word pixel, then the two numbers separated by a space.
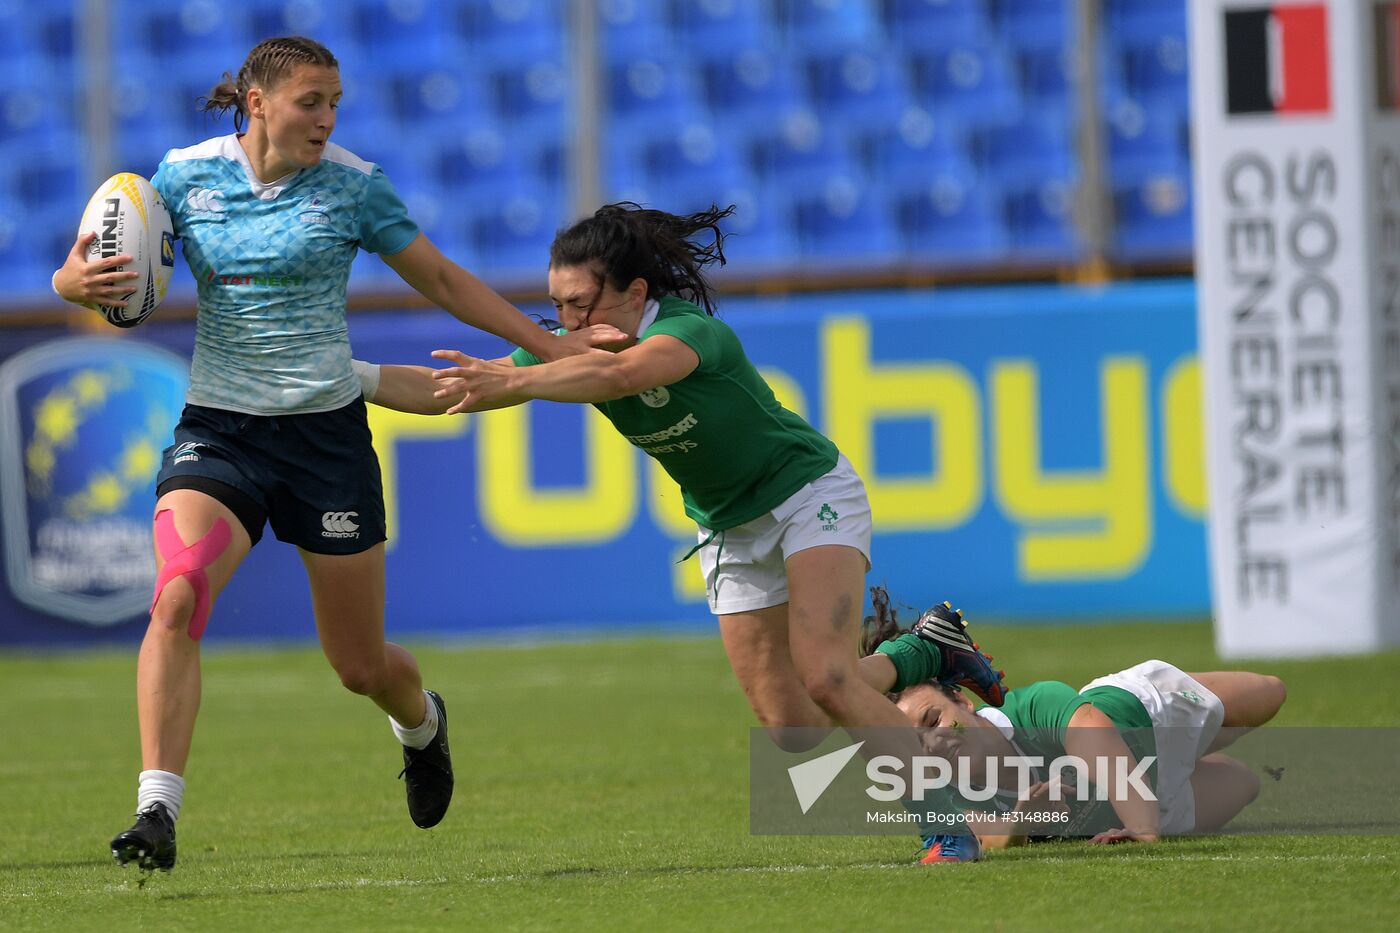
pixel 625 241
pixel 269 62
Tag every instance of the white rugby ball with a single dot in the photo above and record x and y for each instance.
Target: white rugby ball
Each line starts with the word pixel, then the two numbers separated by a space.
pixel 129 217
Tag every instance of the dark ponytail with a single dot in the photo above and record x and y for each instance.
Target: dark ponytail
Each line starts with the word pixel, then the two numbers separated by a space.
pixel 626 241
pixel 268 63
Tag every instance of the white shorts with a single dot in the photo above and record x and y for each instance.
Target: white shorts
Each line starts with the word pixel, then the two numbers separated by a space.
pixel 744 566
pixel 1186 717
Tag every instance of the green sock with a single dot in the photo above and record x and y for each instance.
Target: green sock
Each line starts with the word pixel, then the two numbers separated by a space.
pixel 915 660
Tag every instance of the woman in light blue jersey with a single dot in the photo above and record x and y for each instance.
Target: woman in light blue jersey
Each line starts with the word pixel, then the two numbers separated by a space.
pixel 275 429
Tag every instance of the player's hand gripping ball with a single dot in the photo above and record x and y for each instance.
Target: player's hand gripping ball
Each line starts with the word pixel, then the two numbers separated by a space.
pixel 129 217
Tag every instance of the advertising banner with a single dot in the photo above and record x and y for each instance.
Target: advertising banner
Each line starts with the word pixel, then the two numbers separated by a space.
pixel 1030 453
pixel 1298 277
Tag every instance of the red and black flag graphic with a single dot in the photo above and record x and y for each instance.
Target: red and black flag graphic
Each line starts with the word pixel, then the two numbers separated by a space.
pixel 1387 34
pixel 1276 59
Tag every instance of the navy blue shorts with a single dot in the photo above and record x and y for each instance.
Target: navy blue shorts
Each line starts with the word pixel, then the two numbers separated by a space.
pixel 314 477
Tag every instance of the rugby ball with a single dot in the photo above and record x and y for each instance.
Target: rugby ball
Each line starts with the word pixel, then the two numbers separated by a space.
pixel 129 217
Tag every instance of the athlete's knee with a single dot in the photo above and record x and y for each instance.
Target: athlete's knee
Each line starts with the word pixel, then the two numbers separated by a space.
pixel 829 686
pixel 796 738
pixel 186 563
pixel 174 606
pixel 365 679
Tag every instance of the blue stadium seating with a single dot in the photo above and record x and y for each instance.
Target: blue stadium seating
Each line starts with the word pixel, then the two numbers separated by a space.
pixel 1041 221
pixel 190 38
pixel 858 89
pixel 695 163
pixel 533 99
pixel 1036 24
pixel 509 33
pixel 512 236
pixel 1156 71
pixel 1144 142
pixel 752 89
pixel 633 27
pixel 970 83
pixel 938 24
pixel 950 221
pixel 715 28
pixel 1032 149
pixel 824 25
pixel 450 97
pixel 649 93
pixel 760 234
pixel 1144 21
pixel 845 221
pixel 801 153
pixel 1152 219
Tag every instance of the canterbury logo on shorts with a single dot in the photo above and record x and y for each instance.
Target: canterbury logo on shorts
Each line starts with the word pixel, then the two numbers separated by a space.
pixel 340 525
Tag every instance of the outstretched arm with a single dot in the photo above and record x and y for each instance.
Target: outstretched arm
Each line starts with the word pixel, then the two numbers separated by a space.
pixel 472 302
pixel 1091 736
pixel 404 388
pixel 594 376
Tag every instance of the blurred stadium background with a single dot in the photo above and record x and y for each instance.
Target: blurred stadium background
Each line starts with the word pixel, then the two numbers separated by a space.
pixel 967 139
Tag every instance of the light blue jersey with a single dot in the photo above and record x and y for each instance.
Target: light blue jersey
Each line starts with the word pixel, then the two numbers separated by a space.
pixel 271 263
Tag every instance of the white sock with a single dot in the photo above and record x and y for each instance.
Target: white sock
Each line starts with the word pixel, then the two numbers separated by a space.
pixel 420 735
pixel 160 787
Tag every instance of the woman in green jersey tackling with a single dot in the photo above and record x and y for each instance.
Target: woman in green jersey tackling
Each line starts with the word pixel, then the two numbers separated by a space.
pixel 783 520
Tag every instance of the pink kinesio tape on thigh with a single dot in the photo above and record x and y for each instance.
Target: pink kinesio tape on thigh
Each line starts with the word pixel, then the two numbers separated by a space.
pixel 189 562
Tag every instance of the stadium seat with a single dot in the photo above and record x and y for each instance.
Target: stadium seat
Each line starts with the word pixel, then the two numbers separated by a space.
pixel 918 151
pixel 1032 149
pixel 695 163
pixel 969 83
pixel 1145 21
pixel 534 99
pixel 1048 80
pixel 649 93
pixel 192 39
pixel 826 25
pixel 404 30
pixel 801 153
pixel 1157 71
pixel 512 33
pixel 512 237
pixel 937 24
pixel 759 234
pixel 633 27
pixel 447 96
pixel 1144 142
pixel 856 89
pixel 845 220
pixel 951 221
pixel 50 175
pixel 1041 221
pixel 753 89
pixel 1153 218
pixel 481 164
pixel 1036 24
pixel 715 28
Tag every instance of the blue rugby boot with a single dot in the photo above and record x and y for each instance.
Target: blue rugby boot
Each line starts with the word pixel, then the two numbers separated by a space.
pixel 963 663
pixel 945 847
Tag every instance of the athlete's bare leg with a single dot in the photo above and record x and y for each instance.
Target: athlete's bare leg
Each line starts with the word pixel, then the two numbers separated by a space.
pixel 1250 700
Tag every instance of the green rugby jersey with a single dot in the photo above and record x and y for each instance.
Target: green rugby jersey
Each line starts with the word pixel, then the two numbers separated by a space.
pixel 1039 714
pixel 735 452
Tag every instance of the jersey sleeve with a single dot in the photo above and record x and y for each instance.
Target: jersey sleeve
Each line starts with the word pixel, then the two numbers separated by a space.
pixel 1045 707
pixel 705 335
pixel 385 226
pixel 163 182
pixel 522 357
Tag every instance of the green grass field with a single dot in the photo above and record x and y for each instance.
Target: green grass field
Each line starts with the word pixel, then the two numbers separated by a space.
pixel 601 785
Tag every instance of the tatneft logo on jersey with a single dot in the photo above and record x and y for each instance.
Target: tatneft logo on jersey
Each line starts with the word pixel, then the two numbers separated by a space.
pixel 206 202
pixel 340 525
pixel 257 279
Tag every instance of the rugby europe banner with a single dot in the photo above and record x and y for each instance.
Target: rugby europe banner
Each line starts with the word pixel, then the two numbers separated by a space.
pixel 1297 172
pixel 1033 453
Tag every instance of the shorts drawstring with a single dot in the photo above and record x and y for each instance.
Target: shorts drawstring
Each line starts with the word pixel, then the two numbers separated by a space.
pixel 719 550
